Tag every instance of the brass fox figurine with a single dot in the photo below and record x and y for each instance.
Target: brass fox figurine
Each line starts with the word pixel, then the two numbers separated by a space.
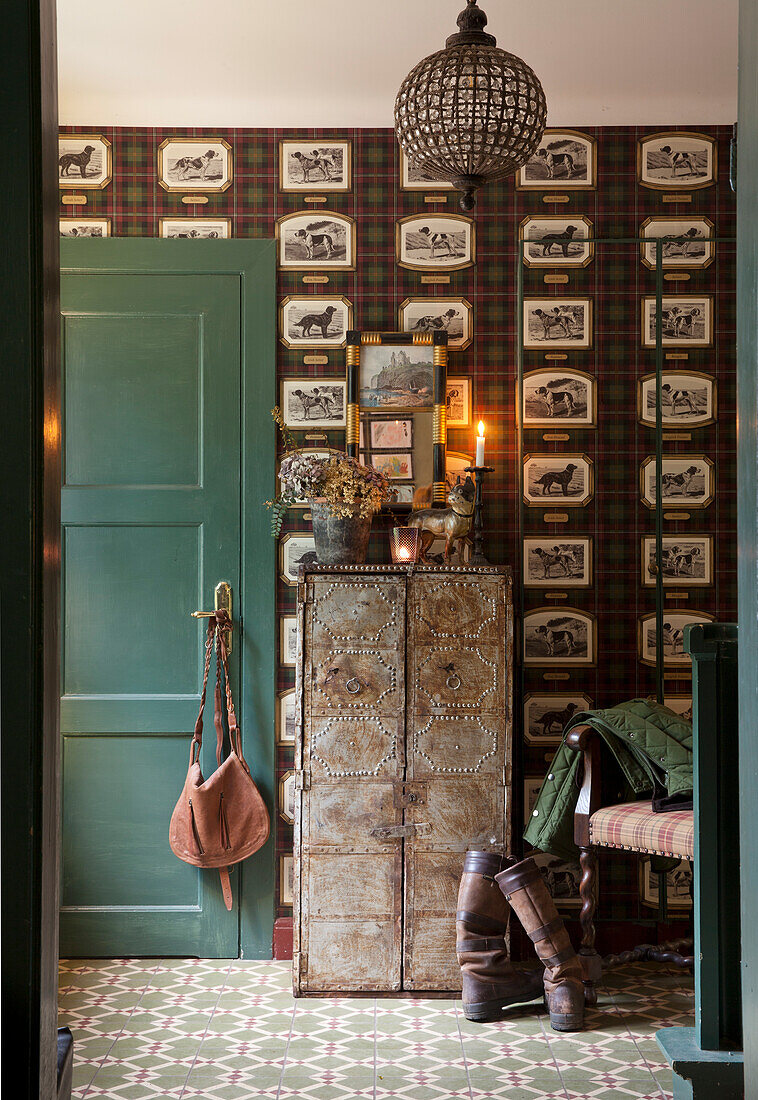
pixel 453 523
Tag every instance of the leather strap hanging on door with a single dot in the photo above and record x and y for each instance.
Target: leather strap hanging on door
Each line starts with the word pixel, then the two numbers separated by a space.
pixel 223 819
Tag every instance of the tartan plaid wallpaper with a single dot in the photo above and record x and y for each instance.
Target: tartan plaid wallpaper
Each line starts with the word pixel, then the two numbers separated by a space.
pixel 615 518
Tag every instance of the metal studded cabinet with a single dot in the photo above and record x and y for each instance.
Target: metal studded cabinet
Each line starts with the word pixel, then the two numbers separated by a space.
pixel 404 686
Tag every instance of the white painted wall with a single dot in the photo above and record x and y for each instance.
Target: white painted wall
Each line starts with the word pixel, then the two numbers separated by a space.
pixel 304 63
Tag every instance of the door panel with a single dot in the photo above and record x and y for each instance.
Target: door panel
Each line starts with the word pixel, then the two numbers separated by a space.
pixel 151 513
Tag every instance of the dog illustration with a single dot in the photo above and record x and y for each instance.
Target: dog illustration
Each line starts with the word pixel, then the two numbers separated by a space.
pixel 686 561
pixel 676 161
pixel 556 397
pixel 556 318
pixel 557 160
pixel 430 324
pixel 560 240
pixel 201 164
pixel 76 160
pixel 692 236
pixel 437 240
pixel 314 400
pixel 679 397
pixel 312 241
pixel 556 477
pixel 557 718
pixel 678 483
pixel 552 638
pixel 316 320
pixel 559 556
pixel 315 162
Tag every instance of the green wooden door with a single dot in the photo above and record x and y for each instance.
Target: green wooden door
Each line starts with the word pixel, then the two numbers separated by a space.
pixel 152 520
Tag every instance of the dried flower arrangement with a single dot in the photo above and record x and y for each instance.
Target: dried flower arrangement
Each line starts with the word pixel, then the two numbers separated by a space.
pixel 347 486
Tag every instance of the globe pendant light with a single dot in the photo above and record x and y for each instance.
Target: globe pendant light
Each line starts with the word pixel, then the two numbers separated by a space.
pixel 470 113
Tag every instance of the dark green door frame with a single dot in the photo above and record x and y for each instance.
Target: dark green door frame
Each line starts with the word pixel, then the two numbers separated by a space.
pixel 253 262
pixel 747 519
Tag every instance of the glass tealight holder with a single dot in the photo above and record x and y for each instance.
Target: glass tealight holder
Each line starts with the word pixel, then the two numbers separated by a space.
pixel 405 545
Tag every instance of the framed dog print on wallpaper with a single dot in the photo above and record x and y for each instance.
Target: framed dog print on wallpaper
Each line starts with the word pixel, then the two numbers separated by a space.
pixel 688 399
pixel 676 160
pixel 310 240
pixel 413 178
pixel 458 400
pixel 565 398
pixel 314 322
pixel 84 161
pixel 195 228
pixel 435 242
pixel 687 560
pixel 546 715
pixel 687 481
pixel 287 797
pixel 552 564
pixel 315 165
pixel 313 402
pixel 678 886
pixel 287 640
pixel 685 242
pixel 451 315
pixel 558 480
pixel 559 636
pixel 564 160
pixel 295 549
pixel 551 323
pixel 687 321
pixel 554 240
pixel 84 227
pixel 195 164
pixel 286 717
pixel 674 623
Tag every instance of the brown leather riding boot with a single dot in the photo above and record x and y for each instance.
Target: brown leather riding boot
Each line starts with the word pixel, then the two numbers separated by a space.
pixel 526 890
pixel 491 983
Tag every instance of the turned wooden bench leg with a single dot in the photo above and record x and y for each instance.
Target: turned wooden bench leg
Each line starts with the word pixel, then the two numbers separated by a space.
pixel 588 956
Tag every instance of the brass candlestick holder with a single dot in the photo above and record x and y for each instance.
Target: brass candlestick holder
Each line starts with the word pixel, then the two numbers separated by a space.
pixel 478 558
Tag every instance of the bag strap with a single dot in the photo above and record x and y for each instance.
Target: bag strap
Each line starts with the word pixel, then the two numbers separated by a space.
pixel 234 733
pixel 197 737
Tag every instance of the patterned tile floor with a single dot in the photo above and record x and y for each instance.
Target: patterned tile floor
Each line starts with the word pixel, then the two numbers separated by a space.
pixel 226 1030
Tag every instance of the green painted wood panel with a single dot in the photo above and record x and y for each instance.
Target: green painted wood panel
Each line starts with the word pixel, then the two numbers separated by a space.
pixel 152 520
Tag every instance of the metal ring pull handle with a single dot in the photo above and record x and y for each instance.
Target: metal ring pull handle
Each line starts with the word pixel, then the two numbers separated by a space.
pixel 353 690
pixel 454 681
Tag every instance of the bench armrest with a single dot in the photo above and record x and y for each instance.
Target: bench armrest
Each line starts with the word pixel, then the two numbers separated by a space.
pixel 587 741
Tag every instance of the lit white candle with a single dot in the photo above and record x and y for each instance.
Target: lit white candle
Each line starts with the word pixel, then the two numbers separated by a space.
pixel 480 445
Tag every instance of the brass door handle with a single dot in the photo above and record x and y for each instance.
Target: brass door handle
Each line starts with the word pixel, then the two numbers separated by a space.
pixel 223 602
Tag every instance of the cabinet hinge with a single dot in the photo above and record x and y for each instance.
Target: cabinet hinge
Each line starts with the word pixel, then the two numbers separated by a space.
pixel 302 781
pixel 300 962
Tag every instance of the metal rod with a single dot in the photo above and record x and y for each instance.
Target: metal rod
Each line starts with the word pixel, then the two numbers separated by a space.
pixel 658 469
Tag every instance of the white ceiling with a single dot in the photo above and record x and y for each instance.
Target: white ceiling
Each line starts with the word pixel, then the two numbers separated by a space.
pixel 338 63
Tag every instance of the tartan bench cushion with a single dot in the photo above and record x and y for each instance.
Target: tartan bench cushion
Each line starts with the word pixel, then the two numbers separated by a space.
pixel 635 827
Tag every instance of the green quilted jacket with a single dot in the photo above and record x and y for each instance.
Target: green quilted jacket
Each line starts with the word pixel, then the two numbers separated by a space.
pixel 653 748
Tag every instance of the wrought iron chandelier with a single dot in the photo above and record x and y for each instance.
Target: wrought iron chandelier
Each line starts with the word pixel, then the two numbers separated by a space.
pixel 471 113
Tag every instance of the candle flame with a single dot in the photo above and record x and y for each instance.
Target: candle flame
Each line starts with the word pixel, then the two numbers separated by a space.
pixel 481 429
pixel 403 553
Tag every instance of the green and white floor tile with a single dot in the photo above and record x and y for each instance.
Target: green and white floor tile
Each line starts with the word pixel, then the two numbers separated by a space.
pixel 231 1030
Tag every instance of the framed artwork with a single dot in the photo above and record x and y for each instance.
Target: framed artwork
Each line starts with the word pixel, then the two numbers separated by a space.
pixel 84 161
pixel 403 494
pixel 396 466
pixel 287 797
pixel 450 315
pixel 677 160
pixel 687 321
pixel 688 399
pixel 84 227
pixel 286 880
pixel 313 240
pixel 458 400
pixel 557 323
pixel 674 623
pixel 435 242
pixel 680 704
pixel 557 240
pixel 314 321
pixel 295 549
pixel 286 717
pixel 435 555
pixel 315 165
pixel 559 636
pixel 551 564
pixel 687 481
pixel 546 715
pixel 678 886
pixel 565 398
pixel 391 433
pixel 687 561
pixel 396 376
pixel 564 160
pixel 562 879
pixel 413 178
pixel 195 228
pixel 531 791
pixel 195 164
pixel 287 640
pixel 564 480
pixel 313 402
pixel 685 242
pixel 455 467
